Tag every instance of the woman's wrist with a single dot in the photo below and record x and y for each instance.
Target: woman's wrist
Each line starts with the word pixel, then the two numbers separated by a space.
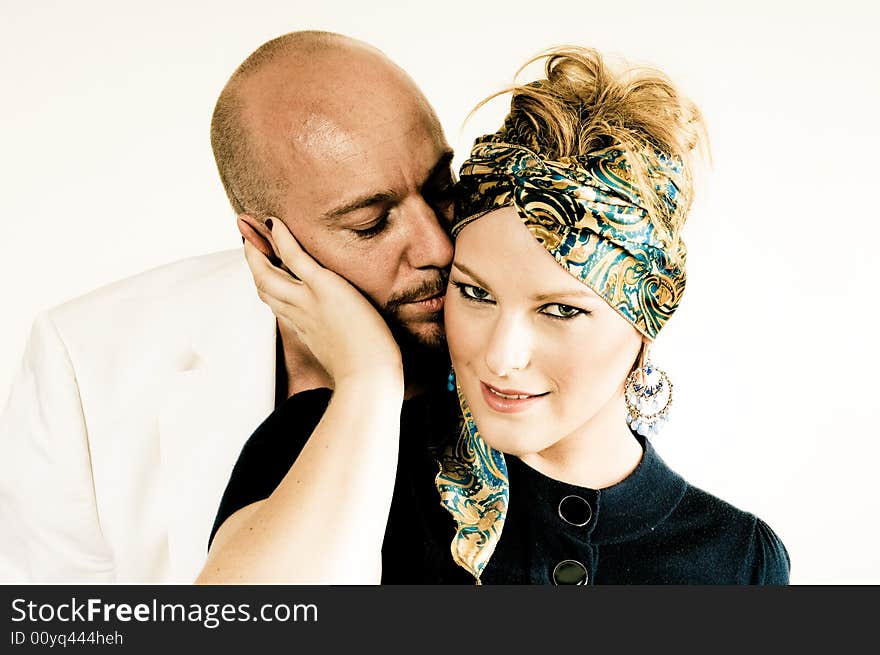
pixel 381 384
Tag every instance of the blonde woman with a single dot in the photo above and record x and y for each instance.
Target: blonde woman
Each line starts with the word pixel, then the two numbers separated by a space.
pixel 569 261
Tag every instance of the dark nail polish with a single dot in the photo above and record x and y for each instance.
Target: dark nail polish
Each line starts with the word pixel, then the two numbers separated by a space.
pixel 269 224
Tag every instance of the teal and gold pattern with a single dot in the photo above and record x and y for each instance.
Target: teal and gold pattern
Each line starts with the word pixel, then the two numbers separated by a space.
pixel 588 214
pixel 473 487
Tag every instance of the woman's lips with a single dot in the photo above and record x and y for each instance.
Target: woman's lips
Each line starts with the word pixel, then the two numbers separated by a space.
pixel 508 401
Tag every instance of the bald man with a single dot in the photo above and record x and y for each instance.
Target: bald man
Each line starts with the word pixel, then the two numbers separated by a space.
pixel 133 402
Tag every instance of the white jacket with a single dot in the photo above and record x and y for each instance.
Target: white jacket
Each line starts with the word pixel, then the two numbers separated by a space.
pixel 125 421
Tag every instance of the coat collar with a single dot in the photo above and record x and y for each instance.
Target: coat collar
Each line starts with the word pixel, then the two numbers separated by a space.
pixel 639 502
pixel 621 512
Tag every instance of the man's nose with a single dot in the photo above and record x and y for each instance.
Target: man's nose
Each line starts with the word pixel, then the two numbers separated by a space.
pixel 509 346
pixel 430 245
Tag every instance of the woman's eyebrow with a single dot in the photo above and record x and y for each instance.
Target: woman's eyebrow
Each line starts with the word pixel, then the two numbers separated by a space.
pixel 464 269
pixel 553 295
pixel 587 294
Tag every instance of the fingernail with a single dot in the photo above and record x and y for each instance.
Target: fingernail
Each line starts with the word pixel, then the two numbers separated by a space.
pixel 269 224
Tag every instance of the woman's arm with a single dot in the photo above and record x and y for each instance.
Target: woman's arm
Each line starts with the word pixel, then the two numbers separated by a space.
pixel 326 520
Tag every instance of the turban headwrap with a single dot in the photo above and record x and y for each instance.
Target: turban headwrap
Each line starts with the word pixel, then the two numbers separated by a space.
pixel 587 211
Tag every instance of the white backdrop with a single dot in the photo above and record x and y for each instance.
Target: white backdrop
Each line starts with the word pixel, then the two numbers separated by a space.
pixel 106 170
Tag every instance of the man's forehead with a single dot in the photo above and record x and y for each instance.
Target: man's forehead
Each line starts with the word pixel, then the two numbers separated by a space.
pixel 320 138
pixel 336 162
pixel 319 116
pixel 375 133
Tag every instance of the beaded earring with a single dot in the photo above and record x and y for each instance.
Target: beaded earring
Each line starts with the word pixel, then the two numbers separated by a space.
pixel 450 380
pixel 648 395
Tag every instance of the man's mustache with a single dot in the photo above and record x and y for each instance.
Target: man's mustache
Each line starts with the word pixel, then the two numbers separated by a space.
pixel 427 289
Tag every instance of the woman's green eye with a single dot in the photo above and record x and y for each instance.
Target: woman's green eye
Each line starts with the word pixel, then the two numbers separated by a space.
pixel 471 292
pixel 562 311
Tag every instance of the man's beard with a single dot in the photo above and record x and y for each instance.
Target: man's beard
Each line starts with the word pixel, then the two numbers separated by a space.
pixel 425 355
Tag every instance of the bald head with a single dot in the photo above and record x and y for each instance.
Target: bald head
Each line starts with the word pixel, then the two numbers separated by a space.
pixel 304 96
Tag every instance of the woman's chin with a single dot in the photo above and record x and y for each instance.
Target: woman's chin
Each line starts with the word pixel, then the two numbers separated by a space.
pixel 504 432
pixel 509 444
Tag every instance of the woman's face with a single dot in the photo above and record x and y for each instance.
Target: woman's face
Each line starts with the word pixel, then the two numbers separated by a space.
pixel 537 353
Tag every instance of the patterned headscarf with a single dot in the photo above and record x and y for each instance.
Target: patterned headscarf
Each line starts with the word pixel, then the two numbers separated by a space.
pixel 587 212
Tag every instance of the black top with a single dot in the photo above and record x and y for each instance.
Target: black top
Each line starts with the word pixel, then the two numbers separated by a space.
pixel 650 528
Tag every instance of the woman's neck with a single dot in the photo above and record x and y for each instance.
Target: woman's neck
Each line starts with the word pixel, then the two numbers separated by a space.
pixel 600 453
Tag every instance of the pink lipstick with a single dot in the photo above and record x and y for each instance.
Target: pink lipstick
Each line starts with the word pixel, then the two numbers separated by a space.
pixel 508 401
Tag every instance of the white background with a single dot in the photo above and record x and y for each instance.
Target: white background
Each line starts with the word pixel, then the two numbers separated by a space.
pixel 106 170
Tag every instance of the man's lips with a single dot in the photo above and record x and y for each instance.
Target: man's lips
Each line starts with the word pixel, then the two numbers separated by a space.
pixel 508 400
pixel 430 303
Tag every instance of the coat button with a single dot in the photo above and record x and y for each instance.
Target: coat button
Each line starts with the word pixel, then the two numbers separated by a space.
pixel 570 571
pixel 575 510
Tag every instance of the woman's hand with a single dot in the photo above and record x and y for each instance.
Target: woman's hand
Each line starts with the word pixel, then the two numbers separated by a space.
pixel 332 318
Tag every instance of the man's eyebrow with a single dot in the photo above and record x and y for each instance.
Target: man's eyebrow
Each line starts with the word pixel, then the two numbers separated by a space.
pixel 360 203
pixel 443 165
pixel 386 196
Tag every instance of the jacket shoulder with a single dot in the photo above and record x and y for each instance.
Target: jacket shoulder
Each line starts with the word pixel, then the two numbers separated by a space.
pixel 745 538
pixel 769 563
pixel 158 316
pixel 159 301
pixel 163 281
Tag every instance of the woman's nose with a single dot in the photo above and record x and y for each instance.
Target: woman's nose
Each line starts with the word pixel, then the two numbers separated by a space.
pixel 509 347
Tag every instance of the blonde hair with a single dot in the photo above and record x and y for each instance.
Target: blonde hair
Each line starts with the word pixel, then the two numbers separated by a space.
pixel 584 105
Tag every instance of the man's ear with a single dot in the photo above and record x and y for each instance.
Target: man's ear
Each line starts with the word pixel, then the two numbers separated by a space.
pixel 257 233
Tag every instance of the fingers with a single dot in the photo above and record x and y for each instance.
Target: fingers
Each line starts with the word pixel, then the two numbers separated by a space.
pixel 283 294
pixel 246 226
pixel 274 286
pixel 292 254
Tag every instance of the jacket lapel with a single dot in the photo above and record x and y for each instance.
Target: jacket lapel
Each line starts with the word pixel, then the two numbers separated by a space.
pixel 224 388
